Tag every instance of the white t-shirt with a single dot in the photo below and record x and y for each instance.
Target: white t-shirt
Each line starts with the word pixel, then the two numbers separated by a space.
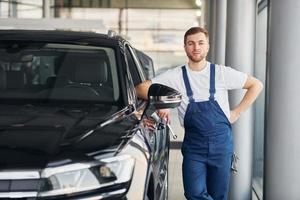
pixel 226 78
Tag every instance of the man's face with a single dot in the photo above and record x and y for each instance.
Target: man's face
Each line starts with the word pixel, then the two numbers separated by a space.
pixel 196 47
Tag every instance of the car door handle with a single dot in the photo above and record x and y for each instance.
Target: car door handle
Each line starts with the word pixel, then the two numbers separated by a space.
pixel 162 125
pixel 158 121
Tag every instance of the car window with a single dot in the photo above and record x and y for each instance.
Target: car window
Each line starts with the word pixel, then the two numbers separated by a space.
pixel 48 71
pixel 147 64
pixel 137 73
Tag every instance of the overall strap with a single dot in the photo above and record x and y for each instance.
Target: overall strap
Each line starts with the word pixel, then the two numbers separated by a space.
pixel 212 88
pixel 189 91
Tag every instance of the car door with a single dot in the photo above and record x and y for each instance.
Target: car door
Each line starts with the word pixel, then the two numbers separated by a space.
pixel 138 76
pixel 157 137
pixel 162 139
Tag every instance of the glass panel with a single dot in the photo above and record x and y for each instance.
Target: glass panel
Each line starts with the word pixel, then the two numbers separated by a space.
pixel 21 9
pixel 30 9
pixel 95 3
pixel 86 3
pixel 159 33
pixel 260 73
pixel 75 3
pixel 4 9
pixel 58 72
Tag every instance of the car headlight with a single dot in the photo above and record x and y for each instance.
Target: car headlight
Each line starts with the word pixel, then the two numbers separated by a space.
pixel 82 177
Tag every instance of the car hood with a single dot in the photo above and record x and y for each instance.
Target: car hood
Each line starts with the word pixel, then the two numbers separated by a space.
pixel 34 136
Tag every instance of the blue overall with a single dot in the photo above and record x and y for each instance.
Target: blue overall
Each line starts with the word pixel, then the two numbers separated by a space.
pixel 207 146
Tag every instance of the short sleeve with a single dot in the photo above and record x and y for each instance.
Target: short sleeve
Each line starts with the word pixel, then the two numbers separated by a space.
pixel 167 78
pixel 233 79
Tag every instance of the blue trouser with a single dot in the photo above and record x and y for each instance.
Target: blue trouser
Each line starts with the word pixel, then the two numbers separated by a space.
pixel 206 176
pixel 207 147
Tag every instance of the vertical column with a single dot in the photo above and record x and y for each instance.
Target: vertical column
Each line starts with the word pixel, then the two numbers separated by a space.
pixel 203 10
pixel 12 9
pixel 220 31
pixel 282 163
pixel 240 40
pixel 217 31
pixel 46 8
pixel 212 29
pixel 206 14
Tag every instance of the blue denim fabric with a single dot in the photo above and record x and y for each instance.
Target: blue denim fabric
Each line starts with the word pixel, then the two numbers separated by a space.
pixel 207 147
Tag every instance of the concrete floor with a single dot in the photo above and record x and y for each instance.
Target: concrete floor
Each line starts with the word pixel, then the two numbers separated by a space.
pixel 175 178
pixel 175 162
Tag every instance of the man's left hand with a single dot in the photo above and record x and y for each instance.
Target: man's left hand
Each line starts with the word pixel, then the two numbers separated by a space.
pixel 164 114
pixel 234 116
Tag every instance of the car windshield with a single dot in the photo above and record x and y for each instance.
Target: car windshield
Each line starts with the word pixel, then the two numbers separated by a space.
pixel 58 72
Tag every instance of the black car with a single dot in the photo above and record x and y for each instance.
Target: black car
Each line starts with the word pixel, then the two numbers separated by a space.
pixel 71 126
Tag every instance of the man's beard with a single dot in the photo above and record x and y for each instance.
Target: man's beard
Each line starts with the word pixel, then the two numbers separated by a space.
pixel 195 60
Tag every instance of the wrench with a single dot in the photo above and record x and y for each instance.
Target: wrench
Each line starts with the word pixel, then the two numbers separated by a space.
pixel 157 119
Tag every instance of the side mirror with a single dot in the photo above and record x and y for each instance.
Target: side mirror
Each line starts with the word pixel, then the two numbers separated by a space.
pixel 161 96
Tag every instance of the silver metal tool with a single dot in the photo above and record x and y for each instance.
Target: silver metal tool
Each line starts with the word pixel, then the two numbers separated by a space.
pixel 158 120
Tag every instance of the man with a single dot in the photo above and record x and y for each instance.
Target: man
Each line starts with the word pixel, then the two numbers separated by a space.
pixel 205 114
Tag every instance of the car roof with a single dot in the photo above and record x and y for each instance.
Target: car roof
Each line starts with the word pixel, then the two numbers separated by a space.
pixel 58 36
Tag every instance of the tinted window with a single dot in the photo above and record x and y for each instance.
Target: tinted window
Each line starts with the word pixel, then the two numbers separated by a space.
pixel 58 72
pixel 133 67
pixel 147 64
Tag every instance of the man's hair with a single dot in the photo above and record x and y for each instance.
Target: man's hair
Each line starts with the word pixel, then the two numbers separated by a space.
pixel 195 30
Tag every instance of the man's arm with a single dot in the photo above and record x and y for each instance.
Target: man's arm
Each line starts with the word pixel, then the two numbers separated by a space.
pixel 142 92
pixel 142 89
pixel 253 87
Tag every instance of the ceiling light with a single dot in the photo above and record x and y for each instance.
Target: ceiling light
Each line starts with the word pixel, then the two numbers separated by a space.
pixel 198 3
